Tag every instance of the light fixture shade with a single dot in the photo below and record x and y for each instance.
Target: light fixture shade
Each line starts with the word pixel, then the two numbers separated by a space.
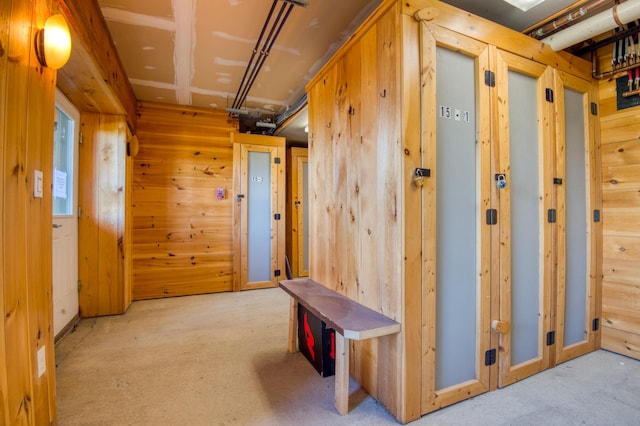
pixel 524 5
pixel 53 43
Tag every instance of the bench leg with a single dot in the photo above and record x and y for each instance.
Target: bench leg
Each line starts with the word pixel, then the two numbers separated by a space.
pixel 341 392
pixel 293 327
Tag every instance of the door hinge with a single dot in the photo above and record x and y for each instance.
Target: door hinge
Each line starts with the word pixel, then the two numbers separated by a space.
pixel 595 326
pixel 490 357
pixel 489 78
pixel 551 216
pixel 81 138
pixel 557 181
pixel 276 273
pixel 79 212
pixel 551 338
pixel 276 160
pixel 492 217
pixel 276 216
pixel 596 216
pixel 594 108
pixel 548 94
pixel 79 286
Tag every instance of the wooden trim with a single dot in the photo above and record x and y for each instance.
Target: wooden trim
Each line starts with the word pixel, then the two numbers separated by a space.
pixel 507 62
pixel 242 142
pixel 564 353
pixel 489 32
pixel 432 36
pixel 99 59
pixel 414 204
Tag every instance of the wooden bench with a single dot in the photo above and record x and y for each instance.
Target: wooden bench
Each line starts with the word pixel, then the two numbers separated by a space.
pixel 348 318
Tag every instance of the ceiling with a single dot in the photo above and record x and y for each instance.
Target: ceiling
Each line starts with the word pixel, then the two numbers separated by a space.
pixel 195 52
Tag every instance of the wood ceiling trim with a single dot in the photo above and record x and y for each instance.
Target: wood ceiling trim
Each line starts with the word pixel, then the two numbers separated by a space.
pixel 105 72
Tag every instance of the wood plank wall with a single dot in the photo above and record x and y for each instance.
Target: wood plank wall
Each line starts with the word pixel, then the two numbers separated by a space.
pixel 356 190
pixel 104 288
pixel 620 219
pixel 182 235
pixel 27 93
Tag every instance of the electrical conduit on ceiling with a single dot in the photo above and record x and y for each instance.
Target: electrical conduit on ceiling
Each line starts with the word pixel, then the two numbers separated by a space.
pixel 605 21
pixel 260 54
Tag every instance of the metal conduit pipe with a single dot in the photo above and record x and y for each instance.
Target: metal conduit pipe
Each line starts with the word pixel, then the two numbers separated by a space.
pixel 571 18
pixel 605 21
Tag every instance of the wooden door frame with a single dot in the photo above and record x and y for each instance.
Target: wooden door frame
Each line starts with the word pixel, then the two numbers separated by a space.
pixel 593 229
pixel 433 36
pixel 502 281
pixel 295 223
pixel 279 181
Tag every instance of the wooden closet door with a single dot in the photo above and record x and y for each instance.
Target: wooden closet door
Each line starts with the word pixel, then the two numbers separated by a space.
pixel 259 211
pixel 578 248
pixel 524 246
pixel 456 239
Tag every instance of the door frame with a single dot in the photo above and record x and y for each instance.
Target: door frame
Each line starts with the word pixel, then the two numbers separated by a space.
pixel 275 145
pixel 433 36
pixel 298 157
pixel 62 102
pixel 544 75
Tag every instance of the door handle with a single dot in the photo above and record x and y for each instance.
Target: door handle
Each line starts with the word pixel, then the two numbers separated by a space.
pixel 239 197
pixel 57 225
pixel 501 327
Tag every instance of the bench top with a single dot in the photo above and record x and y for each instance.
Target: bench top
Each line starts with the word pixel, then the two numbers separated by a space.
pixel 349 318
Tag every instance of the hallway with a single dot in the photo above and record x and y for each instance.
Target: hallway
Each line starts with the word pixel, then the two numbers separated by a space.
pixel 221 359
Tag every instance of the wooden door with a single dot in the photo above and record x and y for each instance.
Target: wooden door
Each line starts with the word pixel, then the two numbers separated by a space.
pixel 578 249
pixel 523 189
pixel 298 219
pixel 456 240
pixel 259 211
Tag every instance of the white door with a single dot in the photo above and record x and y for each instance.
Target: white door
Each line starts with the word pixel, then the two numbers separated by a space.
pixel 65 207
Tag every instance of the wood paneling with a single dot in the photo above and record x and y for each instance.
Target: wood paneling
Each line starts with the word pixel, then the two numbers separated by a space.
pixel 182 235
pixel 356 188
pixel 620 222
pixel 101 223
pixel 94 78
pixel 26 138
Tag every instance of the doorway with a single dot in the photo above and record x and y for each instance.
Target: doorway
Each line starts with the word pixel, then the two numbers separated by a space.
pixel 65 208
pixel 298 209
pixel 259 211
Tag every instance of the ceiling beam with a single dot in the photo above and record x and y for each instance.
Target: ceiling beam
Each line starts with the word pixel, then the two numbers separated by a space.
pixel 94 79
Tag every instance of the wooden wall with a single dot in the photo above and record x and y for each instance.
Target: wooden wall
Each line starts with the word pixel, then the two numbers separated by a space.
pixel 621 220
pixel 182 235
pixel 105 289
pixel 356 188
pixel 27 93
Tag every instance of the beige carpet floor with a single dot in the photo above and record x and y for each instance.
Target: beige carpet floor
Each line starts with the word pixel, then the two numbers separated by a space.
pixel 221 359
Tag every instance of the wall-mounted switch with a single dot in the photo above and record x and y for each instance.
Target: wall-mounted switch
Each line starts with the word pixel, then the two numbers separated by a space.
pixel 37 184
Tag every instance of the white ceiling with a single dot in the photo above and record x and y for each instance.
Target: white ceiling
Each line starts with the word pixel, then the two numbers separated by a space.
pixel 195 52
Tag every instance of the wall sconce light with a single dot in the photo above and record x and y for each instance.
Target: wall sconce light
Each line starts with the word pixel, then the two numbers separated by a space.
pixel 53 43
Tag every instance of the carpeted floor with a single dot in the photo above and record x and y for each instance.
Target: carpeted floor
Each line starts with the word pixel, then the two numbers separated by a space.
pixel 221 360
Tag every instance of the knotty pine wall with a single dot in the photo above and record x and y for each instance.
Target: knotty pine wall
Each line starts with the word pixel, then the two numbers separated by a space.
pixel 182 235
pixel 361 198
pixel 621 220
pixel 105 288
pixel 27 93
